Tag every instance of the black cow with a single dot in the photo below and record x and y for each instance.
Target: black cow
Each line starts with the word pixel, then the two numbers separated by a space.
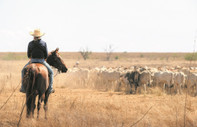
pixel 133 78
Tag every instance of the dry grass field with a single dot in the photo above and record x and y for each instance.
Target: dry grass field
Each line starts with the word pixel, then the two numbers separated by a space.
pixel 82 107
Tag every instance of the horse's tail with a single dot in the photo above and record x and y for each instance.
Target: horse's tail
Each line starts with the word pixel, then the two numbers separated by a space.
pixel 30 78
pixel 30 92
pixel 33 74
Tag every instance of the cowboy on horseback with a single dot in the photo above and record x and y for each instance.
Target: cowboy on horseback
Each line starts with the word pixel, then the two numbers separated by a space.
pixel 37 52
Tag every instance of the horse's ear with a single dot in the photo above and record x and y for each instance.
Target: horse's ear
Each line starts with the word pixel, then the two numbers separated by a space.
pixel 57 49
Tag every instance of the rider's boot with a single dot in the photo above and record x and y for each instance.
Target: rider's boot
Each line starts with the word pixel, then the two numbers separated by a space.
pixel 51 90
pixel 22 89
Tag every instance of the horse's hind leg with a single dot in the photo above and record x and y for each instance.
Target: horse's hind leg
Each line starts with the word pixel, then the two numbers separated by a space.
pixel 30 102
pixel 46 104
pixel 38 106
pixel 33 105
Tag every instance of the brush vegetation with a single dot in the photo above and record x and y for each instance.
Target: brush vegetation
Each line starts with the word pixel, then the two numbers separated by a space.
pixel 191 56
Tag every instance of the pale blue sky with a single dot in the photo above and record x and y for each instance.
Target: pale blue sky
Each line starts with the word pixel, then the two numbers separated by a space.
pixel 128 25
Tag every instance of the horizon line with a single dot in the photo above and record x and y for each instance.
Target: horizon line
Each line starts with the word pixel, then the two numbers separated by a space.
pixel 99 52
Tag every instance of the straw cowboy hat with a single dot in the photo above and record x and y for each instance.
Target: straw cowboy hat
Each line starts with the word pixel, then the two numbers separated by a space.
pixel 37 33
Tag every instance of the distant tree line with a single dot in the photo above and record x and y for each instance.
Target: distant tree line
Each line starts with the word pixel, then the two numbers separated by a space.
pixel 191 56
pixel 85 53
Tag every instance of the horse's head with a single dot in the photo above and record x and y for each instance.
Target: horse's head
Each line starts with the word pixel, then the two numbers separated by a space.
pixel 54 59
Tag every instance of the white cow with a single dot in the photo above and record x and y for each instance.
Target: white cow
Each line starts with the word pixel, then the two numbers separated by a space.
pixel 179 81
pixel 145 79
pixel 191 82
pixel 109 79
pixel 163 79
pixel 79 77
pixel 93 78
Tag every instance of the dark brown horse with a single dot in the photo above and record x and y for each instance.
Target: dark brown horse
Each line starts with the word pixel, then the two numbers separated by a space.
pixel 36 82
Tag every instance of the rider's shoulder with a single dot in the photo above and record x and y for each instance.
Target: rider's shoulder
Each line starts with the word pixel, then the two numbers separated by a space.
pixel 31 42
pixel 41 41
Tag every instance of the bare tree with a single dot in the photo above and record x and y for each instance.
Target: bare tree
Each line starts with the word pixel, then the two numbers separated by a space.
pixel 109 50
pixel 85 53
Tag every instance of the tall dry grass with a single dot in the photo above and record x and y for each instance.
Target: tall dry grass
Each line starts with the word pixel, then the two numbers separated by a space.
pixel 87 107
pixel 79 107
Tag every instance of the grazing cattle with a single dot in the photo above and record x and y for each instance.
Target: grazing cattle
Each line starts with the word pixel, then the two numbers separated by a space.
pixel 93 78
pixel 163 79
pixel 82 77
pixel 124 84
pixel 191 83
pixel 125 78
pixel 141 69
pixel 78 77
pixel 179 81
pixel 145 79
pixel 133 78
pixel 109 79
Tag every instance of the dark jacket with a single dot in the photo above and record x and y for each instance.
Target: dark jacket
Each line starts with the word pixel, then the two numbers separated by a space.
pixel 37 49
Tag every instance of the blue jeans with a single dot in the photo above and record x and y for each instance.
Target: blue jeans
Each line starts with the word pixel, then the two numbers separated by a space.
pixel 42 61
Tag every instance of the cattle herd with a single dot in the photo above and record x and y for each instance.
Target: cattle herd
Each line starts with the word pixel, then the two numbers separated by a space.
pixel 171 80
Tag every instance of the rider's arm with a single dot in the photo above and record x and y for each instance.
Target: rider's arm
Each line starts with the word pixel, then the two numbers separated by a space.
pixel 45 52
pixel 29 50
